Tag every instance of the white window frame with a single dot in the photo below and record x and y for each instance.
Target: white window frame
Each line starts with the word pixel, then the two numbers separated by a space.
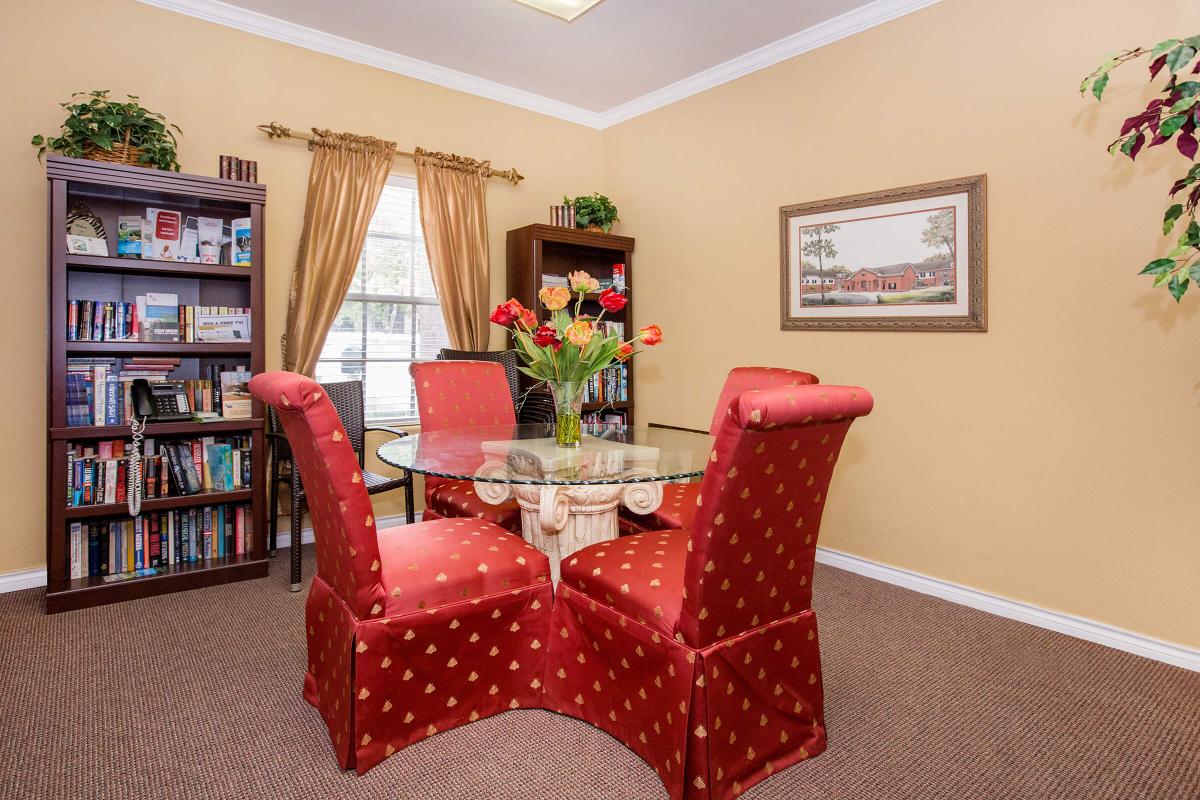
pixel 367 297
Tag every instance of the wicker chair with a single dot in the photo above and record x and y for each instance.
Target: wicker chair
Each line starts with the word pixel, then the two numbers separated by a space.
pixel 534 405
pixel 347 399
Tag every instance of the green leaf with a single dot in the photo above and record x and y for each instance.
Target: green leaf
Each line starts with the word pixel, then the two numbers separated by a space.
pixel 38 140
pixel 1173 213
pixel 1180 57
pixel 1158 266
pixel 1177 286
pixel 1099 84
pixel 1170 125
pixel 1183 104
pixel 1162 47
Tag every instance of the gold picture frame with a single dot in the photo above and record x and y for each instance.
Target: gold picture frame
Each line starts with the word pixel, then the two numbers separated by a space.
pixel 887 260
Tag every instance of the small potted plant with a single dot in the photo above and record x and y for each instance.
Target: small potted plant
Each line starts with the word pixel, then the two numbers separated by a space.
pixel 595 212
pixel 569 348
pixel 120 132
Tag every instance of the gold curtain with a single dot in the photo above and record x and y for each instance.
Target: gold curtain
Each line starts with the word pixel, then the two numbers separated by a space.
pixel 344 184
pixel 451 190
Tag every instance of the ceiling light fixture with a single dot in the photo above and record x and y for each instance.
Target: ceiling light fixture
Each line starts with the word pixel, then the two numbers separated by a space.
pixel 568 10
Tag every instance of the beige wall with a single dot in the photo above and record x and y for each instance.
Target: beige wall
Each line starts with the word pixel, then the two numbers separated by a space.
pixel 217 84
pixel 1053 459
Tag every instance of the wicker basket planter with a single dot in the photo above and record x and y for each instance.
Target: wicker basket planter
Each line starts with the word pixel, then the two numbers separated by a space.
pixel 121 153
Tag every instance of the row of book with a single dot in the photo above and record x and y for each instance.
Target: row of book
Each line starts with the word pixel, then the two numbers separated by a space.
pixel 97 473
pixel 157 321
pixel 609 385
pixel 99 390
pixel 134 547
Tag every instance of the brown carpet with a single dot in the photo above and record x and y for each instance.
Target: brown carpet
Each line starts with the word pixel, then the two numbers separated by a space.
pixel 198 695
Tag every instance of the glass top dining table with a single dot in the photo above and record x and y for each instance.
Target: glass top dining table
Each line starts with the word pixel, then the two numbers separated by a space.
pixel 527 454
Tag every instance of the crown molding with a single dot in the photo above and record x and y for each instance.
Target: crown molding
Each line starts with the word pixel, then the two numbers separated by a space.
pixel 828 32
pixel 840 27
pixel 350 50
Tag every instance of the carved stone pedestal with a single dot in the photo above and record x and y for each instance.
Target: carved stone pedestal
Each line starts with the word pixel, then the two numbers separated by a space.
pixel 562 518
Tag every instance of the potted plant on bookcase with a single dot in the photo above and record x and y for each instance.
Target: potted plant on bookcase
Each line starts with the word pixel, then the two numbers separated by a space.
pixel 566 351
pixel 594 212
pixel 119 132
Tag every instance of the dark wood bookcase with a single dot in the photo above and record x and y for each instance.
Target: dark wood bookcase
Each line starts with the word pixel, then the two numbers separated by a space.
pixel 537 250
pixel 112 190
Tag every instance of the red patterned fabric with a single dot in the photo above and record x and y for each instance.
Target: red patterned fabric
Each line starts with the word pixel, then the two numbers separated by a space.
pixel 727 690
pixel 411 630
pixel 679 500
pixel 458 499
pixel 461 394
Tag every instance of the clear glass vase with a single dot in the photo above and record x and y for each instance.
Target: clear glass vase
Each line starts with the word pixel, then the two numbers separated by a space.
pixel 568 408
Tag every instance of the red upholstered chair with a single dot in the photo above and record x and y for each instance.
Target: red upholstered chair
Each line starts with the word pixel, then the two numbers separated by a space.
pixel 698 647
pixel 679 499
pixel 456 394
pixel 413 629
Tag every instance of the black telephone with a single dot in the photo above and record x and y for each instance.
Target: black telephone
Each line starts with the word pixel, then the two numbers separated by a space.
pixel 163 401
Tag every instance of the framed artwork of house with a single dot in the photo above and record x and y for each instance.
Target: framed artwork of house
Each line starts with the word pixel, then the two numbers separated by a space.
pixel 913 259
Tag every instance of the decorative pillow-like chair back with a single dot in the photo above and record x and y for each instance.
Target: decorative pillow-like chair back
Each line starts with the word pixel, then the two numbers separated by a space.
pixel 754 536
pixel 746 379
pixel 343 522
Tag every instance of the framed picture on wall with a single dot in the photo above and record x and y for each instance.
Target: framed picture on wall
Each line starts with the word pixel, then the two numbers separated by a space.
pixel 910 259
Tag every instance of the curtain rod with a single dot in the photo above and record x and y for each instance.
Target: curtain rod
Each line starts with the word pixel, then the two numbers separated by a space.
pixel 277 131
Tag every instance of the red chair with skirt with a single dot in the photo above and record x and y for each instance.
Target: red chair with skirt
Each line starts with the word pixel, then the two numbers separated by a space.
pixel 679 499
pixel 459 394
pixel 413 629
pixel 698 647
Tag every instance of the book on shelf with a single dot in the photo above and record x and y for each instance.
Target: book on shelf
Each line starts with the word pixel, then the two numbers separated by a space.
pixel 101 321
pixel 97 472
pixel 166 229
pixel 609 385
pixel 129 547
pixel 236 402
pixel 100 390
pixel 129 237
pixel 159 312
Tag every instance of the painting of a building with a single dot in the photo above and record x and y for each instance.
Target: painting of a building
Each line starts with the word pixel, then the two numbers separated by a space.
pixel 892 278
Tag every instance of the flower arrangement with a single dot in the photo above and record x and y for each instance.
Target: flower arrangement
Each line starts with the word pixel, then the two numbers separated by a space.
pixel 569 347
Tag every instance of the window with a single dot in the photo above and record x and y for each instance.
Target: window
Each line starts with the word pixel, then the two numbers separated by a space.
pixel 390 317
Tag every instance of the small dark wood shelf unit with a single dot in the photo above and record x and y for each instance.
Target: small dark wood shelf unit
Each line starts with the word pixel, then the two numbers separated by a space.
pixel 110 191
pixel 538 250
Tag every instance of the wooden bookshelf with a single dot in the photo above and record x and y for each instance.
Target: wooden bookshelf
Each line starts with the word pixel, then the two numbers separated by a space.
pixel 537 250
pixel 112 190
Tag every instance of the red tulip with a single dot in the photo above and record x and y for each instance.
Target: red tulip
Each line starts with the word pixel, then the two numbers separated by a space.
pixel 624 351
pixel 545 336
pixel 507 313
pixel 650 335
pixel 613 301
pixel 528 319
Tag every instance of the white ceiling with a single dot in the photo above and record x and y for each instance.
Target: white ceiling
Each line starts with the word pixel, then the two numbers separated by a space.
pixel 619 59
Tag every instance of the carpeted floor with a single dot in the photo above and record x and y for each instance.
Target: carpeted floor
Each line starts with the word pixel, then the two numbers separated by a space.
pixel 197 695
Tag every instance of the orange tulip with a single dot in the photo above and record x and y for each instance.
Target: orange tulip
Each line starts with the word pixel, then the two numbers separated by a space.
pixel 555 298
pixel 579 332
pixel 650 335
pixel 583 282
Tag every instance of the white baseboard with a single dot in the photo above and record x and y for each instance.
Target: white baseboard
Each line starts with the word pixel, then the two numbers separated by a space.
pixel 1079 627
pixel 22 579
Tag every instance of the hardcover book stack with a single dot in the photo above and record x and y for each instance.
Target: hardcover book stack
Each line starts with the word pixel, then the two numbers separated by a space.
pixel 120 549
